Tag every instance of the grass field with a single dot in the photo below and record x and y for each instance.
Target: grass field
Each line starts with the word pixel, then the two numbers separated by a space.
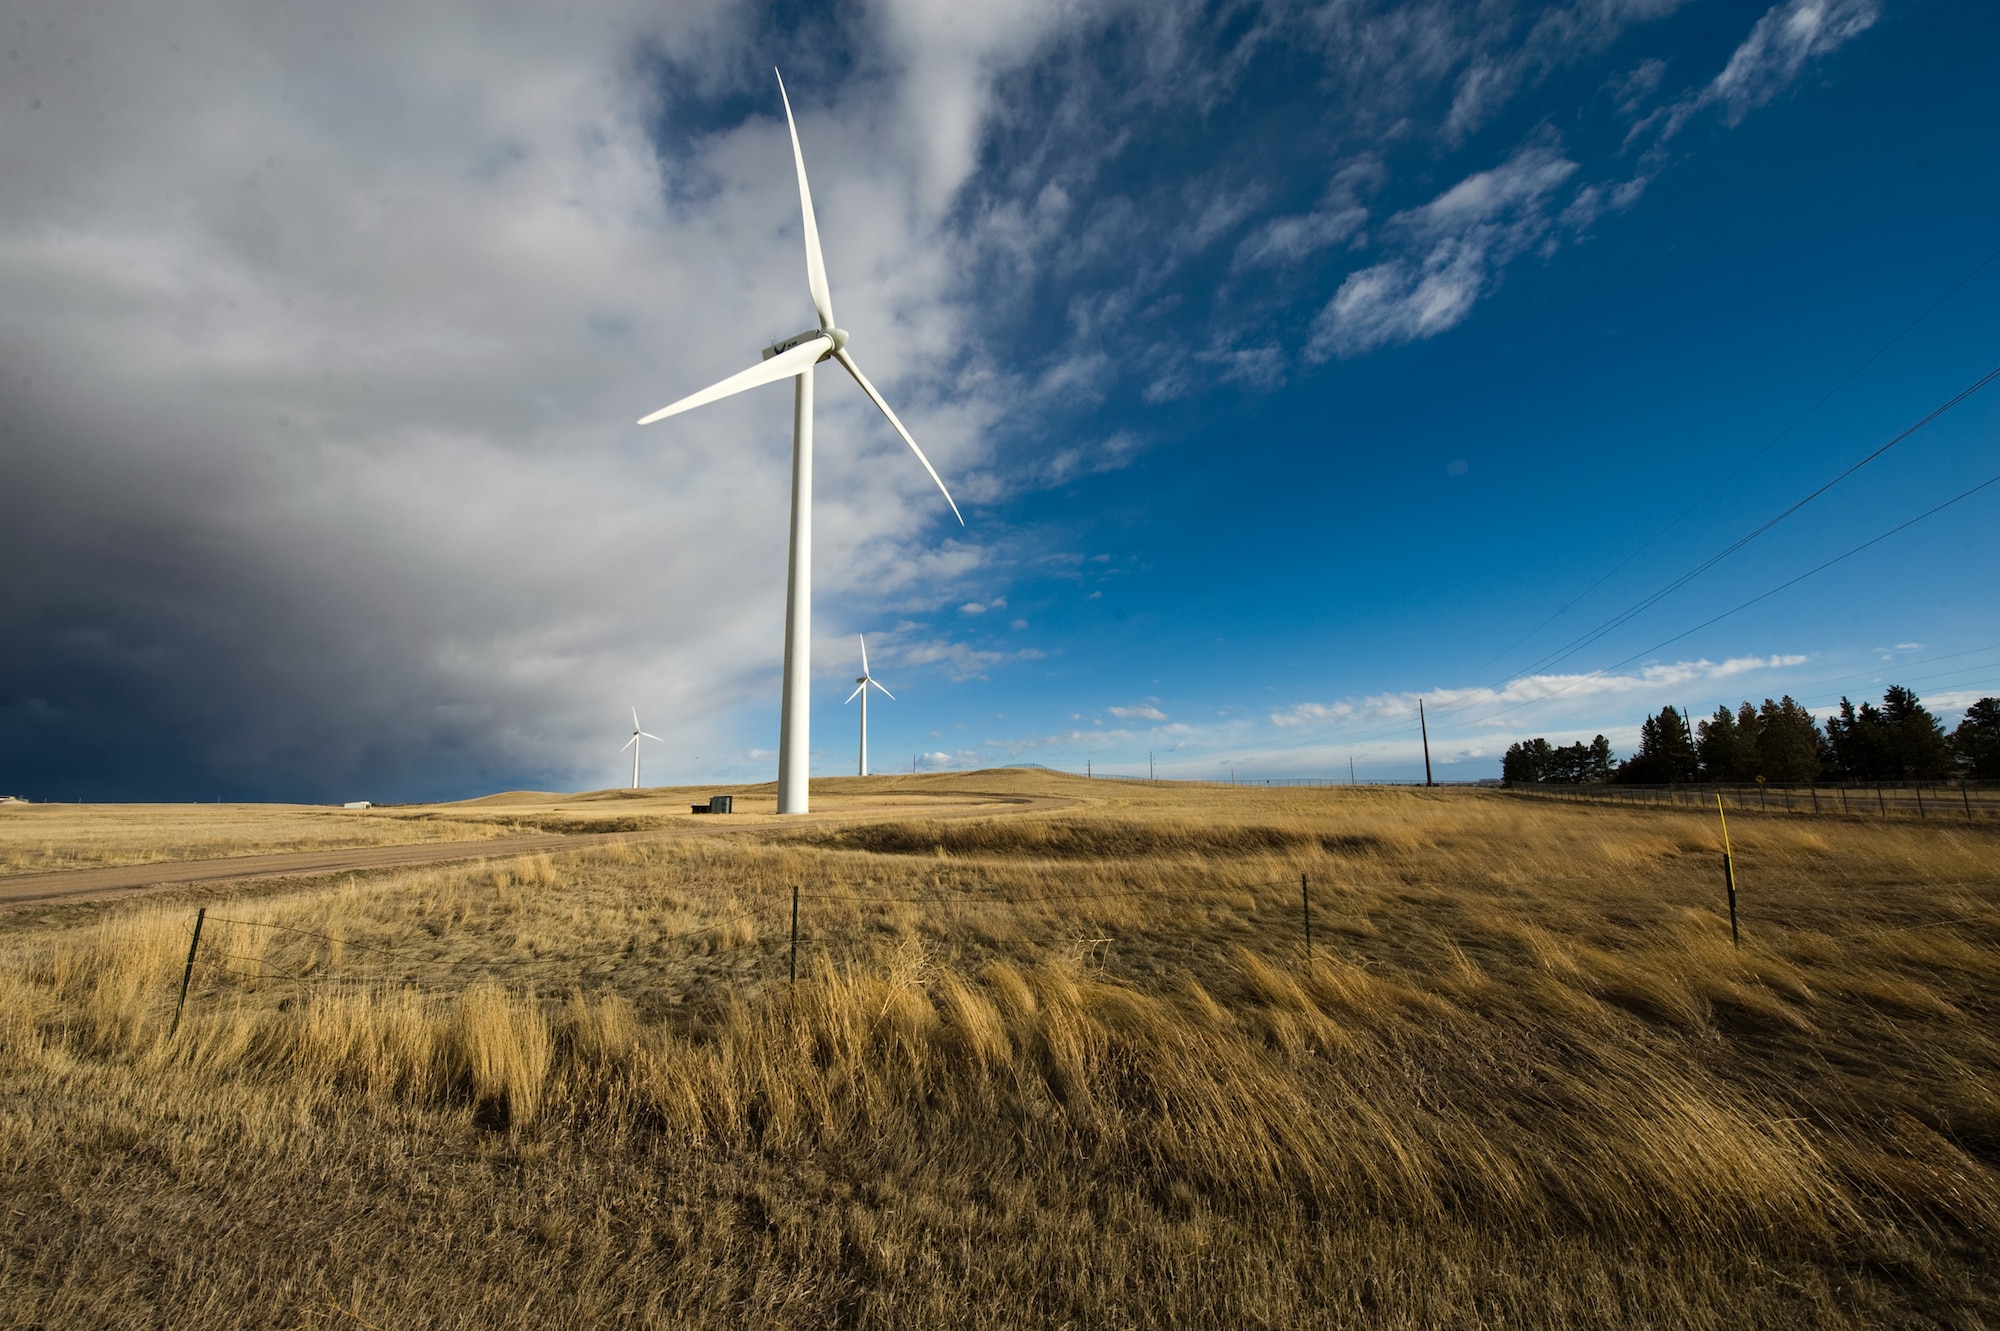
pixel 40 838
pixel 1068 1067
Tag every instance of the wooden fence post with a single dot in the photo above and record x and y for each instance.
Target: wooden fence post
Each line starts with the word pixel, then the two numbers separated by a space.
pixel 188 974
pixel 1962 783
pixel 795 934
pixel 1920 801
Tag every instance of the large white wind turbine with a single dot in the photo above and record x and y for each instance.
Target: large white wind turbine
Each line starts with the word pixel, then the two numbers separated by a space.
pixel 861 687
pixel 633 744
pixel 794 358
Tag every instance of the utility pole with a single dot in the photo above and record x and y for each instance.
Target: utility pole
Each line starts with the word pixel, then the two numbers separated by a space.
pixel 1149 764
pixel 1687 721
pixel 1425 727
pixel 1350 769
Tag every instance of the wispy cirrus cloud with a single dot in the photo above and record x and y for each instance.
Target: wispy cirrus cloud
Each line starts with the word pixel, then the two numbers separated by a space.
pixel 1452 247
pixel 959 660
pixel 1530 690
pixel 1778 49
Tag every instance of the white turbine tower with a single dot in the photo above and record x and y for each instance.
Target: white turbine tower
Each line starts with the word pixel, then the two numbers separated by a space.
pixel 633 744
pixel 861 687
pixel 794 358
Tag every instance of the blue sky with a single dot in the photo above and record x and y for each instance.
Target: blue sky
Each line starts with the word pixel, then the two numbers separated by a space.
pixel 1290 364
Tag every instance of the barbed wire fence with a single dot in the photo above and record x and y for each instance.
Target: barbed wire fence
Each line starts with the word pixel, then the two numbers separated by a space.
pixel 398 970
pixel 1915 801
pixel 210 956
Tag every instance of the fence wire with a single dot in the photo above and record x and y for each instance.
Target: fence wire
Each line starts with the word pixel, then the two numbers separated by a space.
pixel 378 969
pixel 209 960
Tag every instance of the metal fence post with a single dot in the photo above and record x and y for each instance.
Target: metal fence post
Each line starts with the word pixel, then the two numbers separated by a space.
pixel 188 974
pixel 1305 900
pixel 1728 873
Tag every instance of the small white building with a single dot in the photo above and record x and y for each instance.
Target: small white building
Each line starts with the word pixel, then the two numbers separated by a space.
pixel 357 804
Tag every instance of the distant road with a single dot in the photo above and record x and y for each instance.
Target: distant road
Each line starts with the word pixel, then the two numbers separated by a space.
pixel 121 879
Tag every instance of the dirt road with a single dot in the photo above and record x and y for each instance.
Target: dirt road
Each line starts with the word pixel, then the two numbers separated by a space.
pixel 67 885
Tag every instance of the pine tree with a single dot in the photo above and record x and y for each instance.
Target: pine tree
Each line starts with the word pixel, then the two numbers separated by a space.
pixel 1860 744
pixel 1598 766
pixel 1976 742
pixel 1915 736
pixel 1666 752
pixel 1728 745
pixel 1527 763
pixel 1788 742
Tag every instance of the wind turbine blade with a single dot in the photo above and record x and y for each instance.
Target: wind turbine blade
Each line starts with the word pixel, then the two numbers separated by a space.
pixel 864 652
pixel 635 718
pixel 628 744
pixel 815 262
pixel 857 693
pixel 781 366
pixel 886 693
pixel 868 388
pixel 647 734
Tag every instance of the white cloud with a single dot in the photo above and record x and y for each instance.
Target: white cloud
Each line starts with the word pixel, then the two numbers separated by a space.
pixel 960 661
pixel 1140 712
pixel 1781 44
pixel 1775 53
pixel 1529 691
pixel 1451 250
pixel 1738 665
pixel 1071 462
pixel 1446 255
pixel 1286 240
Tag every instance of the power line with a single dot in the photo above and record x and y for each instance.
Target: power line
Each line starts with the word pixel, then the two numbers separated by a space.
pixel 1578 644
pixel 1768 444
pixel 1818 568
pixel 1624 616
pixel 1389 729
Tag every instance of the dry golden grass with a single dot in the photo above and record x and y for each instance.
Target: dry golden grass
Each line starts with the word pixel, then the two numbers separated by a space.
pixel 39 838
pixel 1051 1068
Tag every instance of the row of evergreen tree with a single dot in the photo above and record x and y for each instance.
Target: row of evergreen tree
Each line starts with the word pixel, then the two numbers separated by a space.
pixel 1781 743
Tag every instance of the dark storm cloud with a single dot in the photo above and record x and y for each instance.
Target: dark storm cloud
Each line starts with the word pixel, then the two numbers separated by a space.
pixel 322 329
pixel 323 332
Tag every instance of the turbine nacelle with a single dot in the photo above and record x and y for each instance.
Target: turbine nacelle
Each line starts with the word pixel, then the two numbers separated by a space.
pixel 838 336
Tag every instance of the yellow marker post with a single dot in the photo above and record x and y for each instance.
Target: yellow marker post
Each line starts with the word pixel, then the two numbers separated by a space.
pixel 1728 870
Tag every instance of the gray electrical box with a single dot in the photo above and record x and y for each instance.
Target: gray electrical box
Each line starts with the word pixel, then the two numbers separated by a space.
pixel 721 804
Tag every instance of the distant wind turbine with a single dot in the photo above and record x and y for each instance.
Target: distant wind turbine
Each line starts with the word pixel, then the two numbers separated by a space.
pixel 794 358
pixel 633 744
pixel 861 687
